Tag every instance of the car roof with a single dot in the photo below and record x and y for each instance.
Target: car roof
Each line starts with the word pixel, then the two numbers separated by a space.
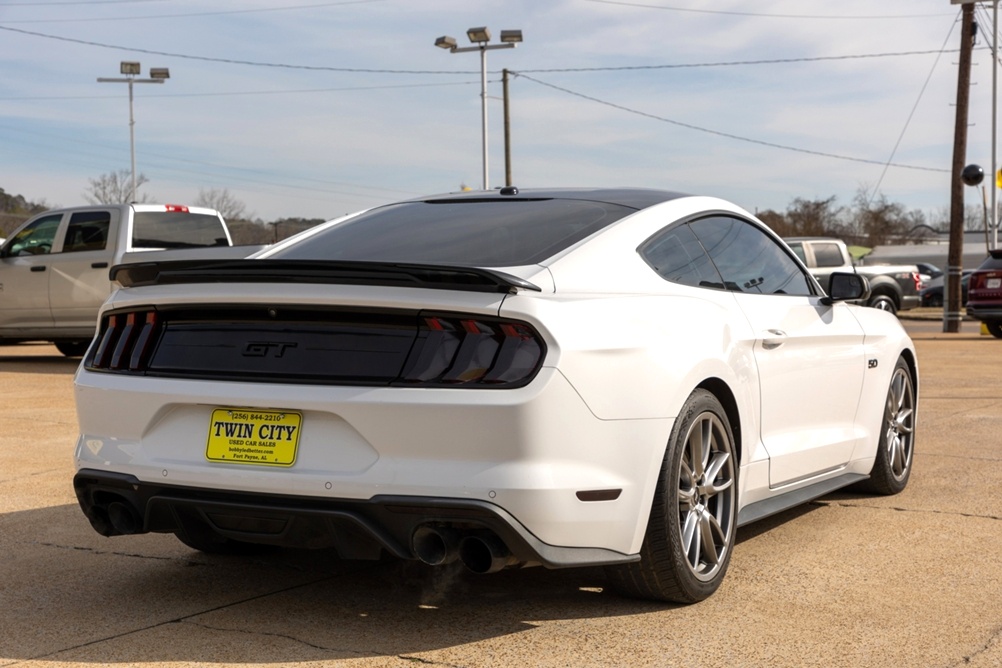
pixel 635 198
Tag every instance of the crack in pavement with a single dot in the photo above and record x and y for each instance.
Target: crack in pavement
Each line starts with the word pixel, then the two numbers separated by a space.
pixel 32 420
pixel 325 648
pixel 899 509
pixel 187 562
pixel 969 457
pixel 92 550
pixel 176 620
pixel 31 475
pixel 992 640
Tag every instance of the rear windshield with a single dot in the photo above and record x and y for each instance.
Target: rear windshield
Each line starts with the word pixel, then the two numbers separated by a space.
pixel 993 261
pixel 175 229
pixel 482 233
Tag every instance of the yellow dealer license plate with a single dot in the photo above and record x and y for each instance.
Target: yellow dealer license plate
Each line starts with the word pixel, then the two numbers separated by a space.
pixel 249 436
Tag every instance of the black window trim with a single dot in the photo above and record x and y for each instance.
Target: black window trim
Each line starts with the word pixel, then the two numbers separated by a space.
pixel 817 289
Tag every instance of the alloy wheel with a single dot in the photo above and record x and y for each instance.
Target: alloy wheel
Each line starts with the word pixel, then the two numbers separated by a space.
pixel 706 496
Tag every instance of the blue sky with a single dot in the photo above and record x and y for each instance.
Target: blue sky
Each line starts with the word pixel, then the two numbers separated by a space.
pixel 315 109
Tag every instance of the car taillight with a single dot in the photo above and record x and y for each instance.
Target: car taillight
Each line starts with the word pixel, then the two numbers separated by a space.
pixel 125 341
pixel 473 352
pixel 918 281
pixel 976 281
pixel 176 208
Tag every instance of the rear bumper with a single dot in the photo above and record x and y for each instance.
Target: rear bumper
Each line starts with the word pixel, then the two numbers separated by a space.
pixel 117 504
pixel 985 313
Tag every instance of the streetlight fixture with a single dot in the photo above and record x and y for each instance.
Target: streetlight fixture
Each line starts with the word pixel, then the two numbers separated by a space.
pixel 131 70
pixel 480 37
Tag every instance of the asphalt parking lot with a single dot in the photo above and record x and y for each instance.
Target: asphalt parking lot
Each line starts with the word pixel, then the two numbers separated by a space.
pixel 849 580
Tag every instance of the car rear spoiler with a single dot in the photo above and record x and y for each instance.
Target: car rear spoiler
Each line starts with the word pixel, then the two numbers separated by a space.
pixel 438 277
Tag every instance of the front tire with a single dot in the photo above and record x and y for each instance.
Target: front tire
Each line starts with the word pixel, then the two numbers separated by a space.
pixel 883 303
pixel 693 520
pixel 896 447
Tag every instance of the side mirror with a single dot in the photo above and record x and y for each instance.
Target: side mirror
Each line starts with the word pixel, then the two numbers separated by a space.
pixel 846 287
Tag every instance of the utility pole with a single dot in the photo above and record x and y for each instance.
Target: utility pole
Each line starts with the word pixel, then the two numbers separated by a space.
pixel 955 256
pixel 507 128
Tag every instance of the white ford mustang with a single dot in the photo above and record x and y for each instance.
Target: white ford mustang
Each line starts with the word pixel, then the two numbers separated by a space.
pixel 617 377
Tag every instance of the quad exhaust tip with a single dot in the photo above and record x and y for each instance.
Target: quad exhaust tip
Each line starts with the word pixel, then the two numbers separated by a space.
pixel 481 552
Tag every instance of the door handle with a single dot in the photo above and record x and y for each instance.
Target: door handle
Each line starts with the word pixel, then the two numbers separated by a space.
pixel 773 339
pixel 98 265
pixel 38 267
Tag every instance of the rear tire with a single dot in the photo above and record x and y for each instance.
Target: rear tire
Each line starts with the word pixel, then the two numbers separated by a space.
pixel 72 348
pixel 895 449
pixel 691 529
pixel 994 328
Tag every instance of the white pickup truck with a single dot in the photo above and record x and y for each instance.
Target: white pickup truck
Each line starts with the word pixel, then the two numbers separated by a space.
pixel 54 268
pixel 892 287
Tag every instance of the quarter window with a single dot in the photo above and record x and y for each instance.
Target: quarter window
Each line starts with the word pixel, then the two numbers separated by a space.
pixel 678 257
pixel 748 259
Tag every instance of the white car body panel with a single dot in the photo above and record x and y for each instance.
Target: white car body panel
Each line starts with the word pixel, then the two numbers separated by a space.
pixel 620 363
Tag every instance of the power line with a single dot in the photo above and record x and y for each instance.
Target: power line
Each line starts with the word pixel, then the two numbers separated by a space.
pixel 33 3
pixel 763 15
pixel 224 172
pixel 195 14
pixel 731 63
pixel 250 92
pixel 318 68
pixel 726 134
pixel 322 68
pixel 911 115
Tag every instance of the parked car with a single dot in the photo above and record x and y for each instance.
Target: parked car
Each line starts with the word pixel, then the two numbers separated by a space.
pixel 928 272
pixel 54 268
pixel 984 293
pixel 932 295
pixel 568 377
pixel 892 287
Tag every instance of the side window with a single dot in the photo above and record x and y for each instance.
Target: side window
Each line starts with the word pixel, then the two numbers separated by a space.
pixel 36 238
pixel 748 259
pixel 827 255
pixel 677 257
pixel 798 250
pixel 87 231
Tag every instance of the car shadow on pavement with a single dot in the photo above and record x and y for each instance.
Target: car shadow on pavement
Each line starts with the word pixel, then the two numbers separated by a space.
pixel 36 359
pixel 72 595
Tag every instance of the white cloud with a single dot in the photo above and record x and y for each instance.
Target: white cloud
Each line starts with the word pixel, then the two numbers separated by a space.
pixel 316 154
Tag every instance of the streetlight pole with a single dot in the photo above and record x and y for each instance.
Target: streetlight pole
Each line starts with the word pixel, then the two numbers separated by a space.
pixel 480 37
pixel 131 69
pixel 995 88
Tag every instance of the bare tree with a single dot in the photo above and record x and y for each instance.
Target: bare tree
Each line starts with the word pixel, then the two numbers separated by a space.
pixel 115 188
pixel 222 201
pixel 877 221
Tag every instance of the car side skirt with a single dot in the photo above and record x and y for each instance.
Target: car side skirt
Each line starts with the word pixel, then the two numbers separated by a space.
pixel 777 504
